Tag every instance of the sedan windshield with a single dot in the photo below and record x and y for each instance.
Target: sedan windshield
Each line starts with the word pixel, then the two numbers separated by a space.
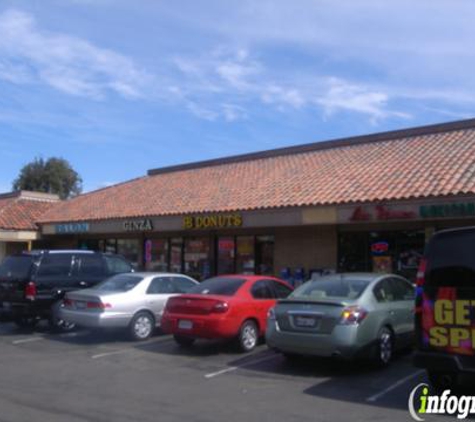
pixel 218 286
pixel 119 283
pixel 334 288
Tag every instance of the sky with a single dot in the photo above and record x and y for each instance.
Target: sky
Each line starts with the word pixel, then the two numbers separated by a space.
pixel 118 87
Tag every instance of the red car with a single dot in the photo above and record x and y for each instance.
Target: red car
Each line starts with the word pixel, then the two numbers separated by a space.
pixel 224 307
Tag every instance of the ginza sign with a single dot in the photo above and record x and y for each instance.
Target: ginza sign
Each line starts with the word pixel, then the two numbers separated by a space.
pixel 138 225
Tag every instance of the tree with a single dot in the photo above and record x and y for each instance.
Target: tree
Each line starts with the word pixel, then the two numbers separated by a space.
pixel 54 175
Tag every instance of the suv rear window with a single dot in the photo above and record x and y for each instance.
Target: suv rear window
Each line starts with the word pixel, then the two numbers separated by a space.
pixel 451 259
pixel 16 267
pixel 218 286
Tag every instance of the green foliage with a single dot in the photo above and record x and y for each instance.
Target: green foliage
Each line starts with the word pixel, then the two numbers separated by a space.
pixel 54 175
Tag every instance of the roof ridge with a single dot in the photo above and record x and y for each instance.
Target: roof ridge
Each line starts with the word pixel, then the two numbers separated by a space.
pixel 323 145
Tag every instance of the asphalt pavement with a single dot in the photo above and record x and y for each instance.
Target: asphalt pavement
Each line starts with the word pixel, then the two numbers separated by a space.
pixel 90 376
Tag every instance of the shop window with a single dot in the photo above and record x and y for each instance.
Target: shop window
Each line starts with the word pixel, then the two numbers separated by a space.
pixel 226 247
pixel 156 255
pixel 110 245
pixel 245 263
pixel 197 258
pixel 130 250
pixel 176 255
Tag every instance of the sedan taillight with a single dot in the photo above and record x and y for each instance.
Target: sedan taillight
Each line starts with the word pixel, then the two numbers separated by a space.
pixel 353 315
pixel 98 305
pixel 220 308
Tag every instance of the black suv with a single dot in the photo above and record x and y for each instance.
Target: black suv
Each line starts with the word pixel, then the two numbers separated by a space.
pixel 32 284
pixel 445 309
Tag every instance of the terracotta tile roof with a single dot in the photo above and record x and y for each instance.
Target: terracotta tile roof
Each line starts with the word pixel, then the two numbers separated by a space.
pixel 20 212
pixel 423 162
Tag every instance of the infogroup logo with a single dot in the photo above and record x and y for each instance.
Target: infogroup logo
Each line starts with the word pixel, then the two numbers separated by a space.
pixel 421 404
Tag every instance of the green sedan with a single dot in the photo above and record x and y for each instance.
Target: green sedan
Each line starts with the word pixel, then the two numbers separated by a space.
pixel 345 315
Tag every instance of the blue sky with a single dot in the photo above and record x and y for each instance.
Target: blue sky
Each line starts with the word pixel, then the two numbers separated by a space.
pixel 118 87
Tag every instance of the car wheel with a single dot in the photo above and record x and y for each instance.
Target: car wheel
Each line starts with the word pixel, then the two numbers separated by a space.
pixel 441 381
pixel 384 347
pixel 248 336
pixel 184 341
pixel 141 327
pixel 26 322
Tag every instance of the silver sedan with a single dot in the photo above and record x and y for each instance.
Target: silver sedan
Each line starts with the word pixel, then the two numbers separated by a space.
pixel 134 301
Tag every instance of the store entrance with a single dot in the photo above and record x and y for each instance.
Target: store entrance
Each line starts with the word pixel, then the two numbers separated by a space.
pixel 265 255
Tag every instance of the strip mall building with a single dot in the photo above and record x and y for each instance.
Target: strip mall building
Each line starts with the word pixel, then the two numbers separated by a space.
pixel 366 203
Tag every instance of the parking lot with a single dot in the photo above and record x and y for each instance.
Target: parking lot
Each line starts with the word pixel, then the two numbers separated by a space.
pixel 87 376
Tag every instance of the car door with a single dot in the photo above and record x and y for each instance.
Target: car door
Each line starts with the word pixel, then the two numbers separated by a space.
pixel 159 290
pixel 403 305
pixel 264 298
pixel 384 305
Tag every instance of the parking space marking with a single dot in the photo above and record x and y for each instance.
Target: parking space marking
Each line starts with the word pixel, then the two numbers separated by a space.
pixel 27 340
pixel 234 368
pixel 116 352
pixel 392 387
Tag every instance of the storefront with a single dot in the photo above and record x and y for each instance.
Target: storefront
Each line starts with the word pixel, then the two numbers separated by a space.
pixel 359 204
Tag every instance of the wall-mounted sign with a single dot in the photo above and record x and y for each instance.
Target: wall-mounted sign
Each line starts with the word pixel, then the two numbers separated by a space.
pixel 380 213
pixel 138 225
pixel 218 221
pixel 448 210
pixel 71 228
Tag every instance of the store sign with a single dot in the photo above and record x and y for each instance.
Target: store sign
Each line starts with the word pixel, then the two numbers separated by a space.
pixel 138 225
pixel 462 209
pixel 379 248
pixel 218 221
pixel 71 228
pixel 380 213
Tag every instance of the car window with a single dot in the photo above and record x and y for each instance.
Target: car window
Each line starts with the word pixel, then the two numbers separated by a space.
pixel 16 267
pixel 89 265
pixel 262 289
pixel 117 265
pixel 119 283
pixel 402 290
pixel 55 265
pixel 450 260
pixel 182 284
pixel 342 288
pixel 222 286
pixel 384 291
pixel 161 285
pixel 282 291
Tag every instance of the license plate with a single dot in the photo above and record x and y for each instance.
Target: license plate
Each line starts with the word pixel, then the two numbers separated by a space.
pixel 184 324
pixel 80 304
pixel 305 322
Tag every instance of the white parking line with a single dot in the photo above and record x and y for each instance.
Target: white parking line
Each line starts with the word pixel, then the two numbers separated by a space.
pixel 392 387
pixel 101 355
pixel 27 340
pixel 234 368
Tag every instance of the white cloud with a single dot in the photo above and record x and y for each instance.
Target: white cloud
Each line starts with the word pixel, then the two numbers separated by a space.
pixel 342 95
pixel 68 64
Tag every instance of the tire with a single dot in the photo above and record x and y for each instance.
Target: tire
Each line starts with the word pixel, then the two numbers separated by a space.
pixel 142 326
pixel 184 341
pixel 384 348
pixel 248 336
pixel 441 381
pixel 26 322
